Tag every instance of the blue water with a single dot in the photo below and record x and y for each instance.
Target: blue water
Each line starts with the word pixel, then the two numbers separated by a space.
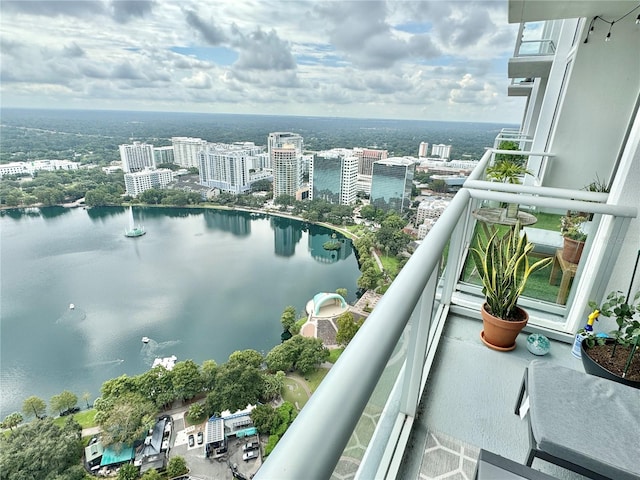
pixel 201 284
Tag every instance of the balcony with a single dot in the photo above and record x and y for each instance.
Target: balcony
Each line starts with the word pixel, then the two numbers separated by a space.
pixel 416 383
pixel 534 51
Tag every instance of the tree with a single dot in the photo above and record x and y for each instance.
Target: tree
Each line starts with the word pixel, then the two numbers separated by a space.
pixel 281 357
pixel 273 385
pixel 284 200
pixel 156 385
pixel 288 318
pixel 187 382
pixel 63 402
pixel 176 467
pixel 248 357
pixel 42 450
pixel 151 475
pixel 85 397
pixel 208 373
pixel 347 328
pixel 125 419
pixel 12 420
pixel 116 387
pixel 237 385
pixel 195 412
pixel 342 292
pixel 311 356
pixel 128 472
pixel 369 279
pixel 34 407
pixel 264 418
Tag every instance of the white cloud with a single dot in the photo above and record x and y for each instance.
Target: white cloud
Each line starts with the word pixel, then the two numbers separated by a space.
pixel 411 59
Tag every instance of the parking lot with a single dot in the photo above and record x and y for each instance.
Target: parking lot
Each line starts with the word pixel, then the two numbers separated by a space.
pixel 213 469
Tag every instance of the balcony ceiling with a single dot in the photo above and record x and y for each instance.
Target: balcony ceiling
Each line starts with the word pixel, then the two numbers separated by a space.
pixel 535 10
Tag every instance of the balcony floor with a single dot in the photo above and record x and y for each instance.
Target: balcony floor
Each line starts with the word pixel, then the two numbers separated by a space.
pixel 468 404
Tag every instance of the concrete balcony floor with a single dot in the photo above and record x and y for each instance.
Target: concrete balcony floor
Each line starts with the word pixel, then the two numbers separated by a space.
pixel 468 404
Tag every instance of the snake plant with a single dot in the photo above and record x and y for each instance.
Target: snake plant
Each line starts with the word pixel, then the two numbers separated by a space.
pixel 503 265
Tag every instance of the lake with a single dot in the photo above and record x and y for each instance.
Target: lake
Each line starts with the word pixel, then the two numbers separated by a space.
pixel 200 284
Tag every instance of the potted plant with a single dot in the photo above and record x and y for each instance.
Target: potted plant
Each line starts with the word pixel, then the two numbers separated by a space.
pixel 507 171
pixel 618 356
pixel 503 265
pixel 573 236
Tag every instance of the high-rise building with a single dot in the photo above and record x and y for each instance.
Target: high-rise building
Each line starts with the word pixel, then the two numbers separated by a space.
pixel 366 157
pixel 423 150
pixel 441 150
pixel 186 150
pixel 136 157
pixel 333 176
pixel 163 155
pixel 391 183
pixel 137 182
pixel 226 167
pixel 285 152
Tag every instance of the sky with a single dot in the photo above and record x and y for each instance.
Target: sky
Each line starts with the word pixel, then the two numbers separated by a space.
pixel 428 60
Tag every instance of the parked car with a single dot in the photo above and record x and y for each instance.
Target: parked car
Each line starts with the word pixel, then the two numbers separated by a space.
pixel 249 446
pixel 191 441
pixel 249 455
pixel 200 438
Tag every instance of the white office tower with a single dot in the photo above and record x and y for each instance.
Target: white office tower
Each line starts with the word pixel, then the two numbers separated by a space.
pixel 137 182
pixel 333 176
pixel 226 167
pixel 423 150
pixel 163 155
pixel 136 157
pixel 186 150
pixel 441 150
pixel 285 151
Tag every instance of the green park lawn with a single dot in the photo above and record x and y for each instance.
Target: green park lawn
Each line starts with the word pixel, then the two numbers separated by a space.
pixel 334 354
pixel 86 418
pixel 294 393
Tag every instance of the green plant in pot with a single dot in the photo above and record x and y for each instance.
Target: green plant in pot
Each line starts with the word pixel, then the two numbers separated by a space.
pixel 617 357
pixel 503 264
pixel 573 235
pixel 507 171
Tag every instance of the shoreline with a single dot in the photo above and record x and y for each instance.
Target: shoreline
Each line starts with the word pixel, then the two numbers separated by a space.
pixel 275 213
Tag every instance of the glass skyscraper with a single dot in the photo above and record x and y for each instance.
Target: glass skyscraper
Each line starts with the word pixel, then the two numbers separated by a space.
pixel 391 184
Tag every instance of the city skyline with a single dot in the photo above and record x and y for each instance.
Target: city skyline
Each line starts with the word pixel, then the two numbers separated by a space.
pixel 406 60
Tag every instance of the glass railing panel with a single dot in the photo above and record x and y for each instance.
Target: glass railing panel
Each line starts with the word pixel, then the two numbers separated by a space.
pixel 372 417
pixel 551 284
pixel 536 47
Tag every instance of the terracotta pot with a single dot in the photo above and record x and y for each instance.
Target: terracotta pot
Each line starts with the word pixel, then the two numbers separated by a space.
pixel 501 334
pixel 572 250
pixel 594 368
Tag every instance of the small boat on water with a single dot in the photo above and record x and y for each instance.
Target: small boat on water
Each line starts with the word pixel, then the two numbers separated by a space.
pixel 133 231
pixel 71 306
pixel 145 339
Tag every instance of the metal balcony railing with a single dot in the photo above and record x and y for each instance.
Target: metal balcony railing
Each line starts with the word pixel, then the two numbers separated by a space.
pixel 360 417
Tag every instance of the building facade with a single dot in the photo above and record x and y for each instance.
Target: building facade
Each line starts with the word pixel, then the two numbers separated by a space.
pixel 366 157
pixel 391 184
pixel 227 166
pixel 136 157
pixel 441 150
pixel 186 150
pixel 137 182
pixel 333 177
pixel 29 168
pixel 423 149
pixel 163 155
pixel 285 152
